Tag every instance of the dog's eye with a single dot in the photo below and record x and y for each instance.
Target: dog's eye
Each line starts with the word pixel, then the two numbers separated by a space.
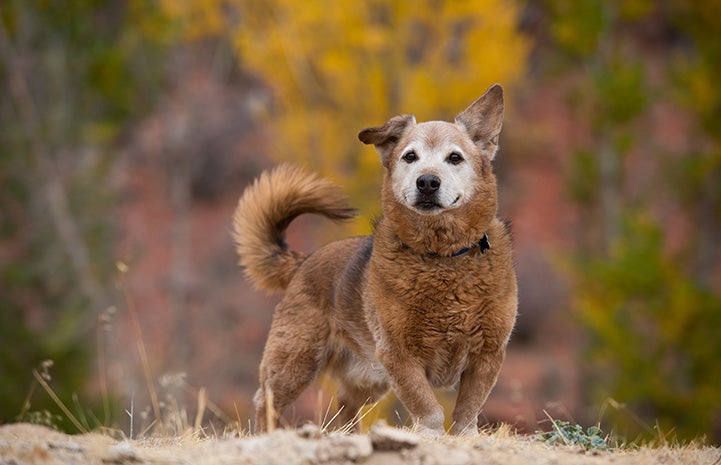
pixel 410 157
pixel 454 158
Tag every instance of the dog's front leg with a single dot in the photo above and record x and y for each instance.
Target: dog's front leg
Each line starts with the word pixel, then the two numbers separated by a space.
pixel 409 382
pixel 476 383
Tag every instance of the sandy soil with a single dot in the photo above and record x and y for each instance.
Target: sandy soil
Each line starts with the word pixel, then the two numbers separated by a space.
pixel 22 444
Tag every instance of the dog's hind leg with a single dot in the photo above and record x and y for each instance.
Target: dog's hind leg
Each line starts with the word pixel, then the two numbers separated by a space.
pixel 294 354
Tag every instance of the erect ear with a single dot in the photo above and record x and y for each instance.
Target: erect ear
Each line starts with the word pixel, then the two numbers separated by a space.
pixel 385 137
pixel 483 119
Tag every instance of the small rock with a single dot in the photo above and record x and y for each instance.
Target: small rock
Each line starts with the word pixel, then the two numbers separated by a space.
pixel 344 447
pixel 386 438
pixel 309 431
pixel 122 453
pixel 68 446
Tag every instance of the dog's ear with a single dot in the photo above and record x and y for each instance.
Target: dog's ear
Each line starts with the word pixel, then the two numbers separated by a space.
pixel 385 137
pixel 483 119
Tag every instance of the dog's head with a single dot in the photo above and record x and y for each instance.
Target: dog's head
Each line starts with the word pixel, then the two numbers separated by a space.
pixel 437 166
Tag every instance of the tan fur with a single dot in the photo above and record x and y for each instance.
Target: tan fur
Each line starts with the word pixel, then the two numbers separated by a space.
pixel 264 212
pixel 396 309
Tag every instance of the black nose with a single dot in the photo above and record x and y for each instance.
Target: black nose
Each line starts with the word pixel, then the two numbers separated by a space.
pixel 428 184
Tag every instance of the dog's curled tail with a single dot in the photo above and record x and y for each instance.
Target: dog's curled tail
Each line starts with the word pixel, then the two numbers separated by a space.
pixel 264 212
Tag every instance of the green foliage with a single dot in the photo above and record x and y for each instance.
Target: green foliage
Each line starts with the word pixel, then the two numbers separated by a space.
pixel 566 434
pixel 653 332
pixel 577 25
pixel 583 178
pixel 70 80
pixel 619 85
pixel 696 70
pixel 647 302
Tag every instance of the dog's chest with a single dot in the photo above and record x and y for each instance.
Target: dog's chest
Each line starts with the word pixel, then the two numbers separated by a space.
pixel 444 312
pixel 446 298
pixel 444 339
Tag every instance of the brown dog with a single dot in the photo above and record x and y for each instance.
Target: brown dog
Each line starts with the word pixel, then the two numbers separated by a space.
pixel 428 301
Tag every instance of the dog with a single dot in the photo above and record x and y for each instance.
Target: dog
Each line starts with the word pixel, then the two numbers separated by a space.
pixel 428 301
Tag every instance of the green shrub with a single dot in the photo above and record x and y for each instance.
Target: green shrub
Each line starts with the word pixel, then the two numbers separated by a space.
pixel 564 433
pixel 653 330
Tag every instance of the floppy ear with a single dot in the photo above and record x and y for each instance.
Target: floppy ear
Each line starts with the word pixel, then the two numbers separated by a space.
pixel 483 119
pixel 385 137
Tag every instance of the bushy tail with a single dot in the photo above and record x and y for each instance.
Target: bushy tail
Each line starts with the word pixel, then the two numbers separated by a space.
pixel 265 210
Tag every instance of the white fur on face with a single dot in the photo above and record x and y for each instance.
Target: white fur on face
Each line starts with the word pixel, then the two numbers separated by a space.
pixel 432 143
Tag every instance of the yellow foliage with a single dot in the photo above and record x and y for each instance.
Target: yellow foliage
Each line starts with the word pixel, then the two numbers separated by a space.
pixel 197 18
pixel 635 9
pixel 336 67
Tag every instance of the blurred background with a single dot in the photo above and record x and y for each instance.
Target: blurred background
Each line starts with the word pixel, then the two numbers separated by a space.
pixel 128 130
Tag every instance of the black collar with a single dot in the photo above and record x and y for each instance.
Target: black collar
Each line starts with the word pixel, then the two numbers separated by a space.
pixel 484 244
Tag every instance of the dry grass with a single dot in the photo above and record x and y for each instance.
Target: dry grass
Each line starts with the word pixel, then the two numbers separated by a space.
pixel 172 436
pixel 24 443
pixel 168 435
pixel 175 438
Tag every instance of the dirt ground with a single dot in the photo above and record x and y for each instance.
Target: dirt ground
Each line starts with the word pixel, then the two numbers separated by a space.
pixel 25 444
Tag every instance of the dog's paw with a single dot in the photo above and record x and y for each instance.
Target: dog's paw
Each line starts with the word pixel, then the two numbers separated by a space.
pixel 470 430
pixel 431 425
pixel 429 432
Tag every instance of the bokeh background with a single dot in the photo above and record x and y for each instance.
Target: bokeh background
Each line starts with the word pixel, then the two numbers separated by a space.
pixel 128 130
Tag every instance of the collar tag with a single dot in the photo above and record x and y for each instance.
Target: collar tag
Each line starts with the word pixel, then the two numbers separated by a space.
pixel 484 243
